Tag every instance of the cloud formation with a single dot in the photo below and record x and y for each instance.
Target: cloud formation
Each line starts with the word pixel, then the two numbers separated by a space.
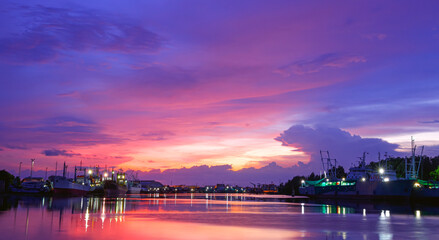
pixel 51 31
pixel 158 135
pixel 329 60
pixel 115 71
pixel 211 175
pixel 342 145
pixel 57 152
pixel 56 130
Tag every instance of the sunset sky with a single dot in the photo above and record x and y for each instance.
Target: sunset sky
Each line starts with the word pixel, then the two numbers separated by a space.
pixel 201 91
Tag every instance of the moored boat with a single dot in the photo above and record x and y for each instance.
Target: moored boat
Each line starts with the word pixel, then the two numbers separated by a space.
pixel 361 182
pixel 64 186
pixel 113 189
pixel 32 185
pixel 134 187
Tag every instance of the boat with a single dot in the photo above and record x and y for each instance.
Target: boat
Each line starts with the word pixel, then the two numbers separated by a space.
pixel 116 186
pixel 64 186
pixel 68 187
pixel 361 182
pixel 134 187
pixel 32 185
pixel 426 190
pixel 112 188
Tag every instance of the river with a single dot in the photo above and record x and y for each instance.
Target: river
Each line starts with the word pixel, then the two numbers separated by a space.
pixel 211 216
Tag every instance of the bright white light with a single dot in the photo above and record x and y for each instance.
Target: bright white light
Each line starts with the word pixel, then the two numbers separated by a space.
pixel 105 174
pixel 363 179
pixel 386 179
pixel 418 214
pixel 381 171
pixel 343 179
pixel 303 181
pixel 417 185
pixel 90 171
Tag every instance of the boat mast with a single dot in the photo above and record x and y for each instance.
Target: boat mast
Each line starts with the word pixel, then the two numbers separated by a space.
pixel 31 166
pixel 19 170
pixel 331 167
pixel 386 158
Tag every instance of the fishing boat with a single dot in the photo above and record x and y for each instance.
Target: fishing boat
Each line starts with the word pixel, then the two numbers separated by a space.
pixel 69 187
pixel 64 186
pixel 32 185
pixel 361 182
pixel 116 186
pixel 426 190
pixel 134 187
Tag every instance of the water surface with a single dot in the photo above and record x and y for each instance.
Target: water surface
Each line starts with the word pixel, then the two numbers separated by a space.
pixel 211 216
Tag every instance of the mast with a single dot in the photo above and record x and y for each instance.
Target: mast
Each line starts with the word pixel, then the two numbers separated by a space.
pixel 64 170
pixel 413 159
pixel 32 166
pixel 386 158
pixel 379 159
pixel 331 165
pixel 19 170
pixel 420 161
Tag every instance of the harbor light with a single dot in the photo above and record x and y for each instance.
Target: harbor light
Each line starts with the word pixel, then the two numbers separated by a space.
pixel 363 179
pixel 381 171
pixel 90 172
pixel 105 174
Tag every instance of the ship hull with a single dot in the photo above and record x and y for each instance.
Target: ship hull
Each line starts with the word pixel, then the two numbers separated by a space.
pixel 426 193
pixel 69 191
pixel 111 188
pixel 134 190
pixel 396 190
pixel 65 187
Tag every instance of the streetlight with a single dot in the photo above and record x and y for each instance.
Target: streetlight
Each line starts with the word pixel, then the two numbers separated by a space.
pixel 381 171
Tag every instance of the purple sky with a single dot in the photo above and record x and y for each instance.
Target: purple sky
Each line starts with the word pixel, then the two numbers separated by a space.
pixel 216 91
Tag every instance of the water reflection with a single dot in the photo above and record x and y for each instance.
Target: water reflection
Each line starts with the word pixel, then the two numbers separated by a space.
pixel 214 216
